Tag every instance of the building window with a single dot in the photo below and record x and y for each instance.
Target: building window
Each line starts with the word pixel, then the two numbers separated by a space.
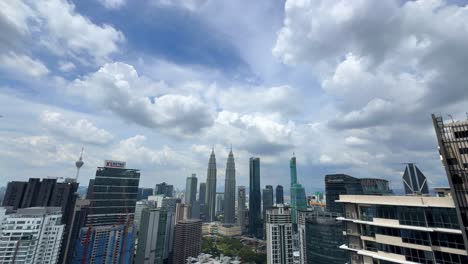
pixel 461 134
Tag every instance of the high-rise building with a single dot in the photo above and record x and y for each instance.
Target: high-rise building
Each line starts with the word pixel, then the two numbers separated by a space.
pixel 191 189
pixel 241 209
pixel 230 191
pixel 114 194
pixel 402 229
pixel 298 197
pixel 78 221
pixel 323 236
pixel 267 196
pixel 336 184
pixel 139 207
pixel 373 186
pixel 45 193
pixel 219 206
pixel 151 239
pixel 143 193
pixel 279 194
pixel 255 198
pixel 453 147
pixel 210 200
pixel 202 193
pixel 105 244
pixel 279 232
pixel 414 180
pixel 169 238
pixel 31 235
pixel 164 189
pixel 187 240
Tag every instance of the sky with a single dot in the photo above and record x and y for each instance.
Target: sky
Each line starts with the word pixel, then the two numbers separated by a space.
pixel 348 86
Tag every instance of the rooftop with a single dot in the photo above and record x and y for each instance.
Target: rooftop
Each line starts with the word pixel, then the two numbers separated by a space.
pixel 418 201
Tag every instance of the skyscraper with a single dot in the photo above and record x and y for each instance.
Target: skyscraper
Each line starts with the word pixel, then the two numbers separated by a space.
pixel 255 218
pixel 241 210
pixel 230 191
pixel 414 180
pixel 45 193
pixel 279 232
pixel 31 235
pixel 336 184
pixel 267 196
pixel 219 206
pixel 114 194
pixel 202 193
pixel 143 193
pixel 187 241
pixel 298 197
pixel 279 194
pixel 191 189
pixel 210 201
pixel 151 237
pixel 453 147
pixel 164 188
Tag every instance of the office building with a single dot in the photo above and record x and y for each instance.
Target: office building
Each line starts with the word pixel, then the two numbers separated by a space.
pixel 279 194
pixel 414 181
pixel 219 206
pixel 139 207
pixel 298 197
pixel 187 240
pixel 78 221
pixel 89 189
pixel 230 191
pixel 241 207
pixel 210 200
pixel 452 139
pixel 202 193
pixel 31 235
pixel 336 184
pixel 373 186
pixel 105 244
pixel 169 238
pixel 191 189
pixel 255 198
pixel 143 193
pixel 267 196
pixel 151 239
pixel 402 229
pixel 45 193
pixel 114 194
pixel 164 189
pixel 279 232
pixel 323 236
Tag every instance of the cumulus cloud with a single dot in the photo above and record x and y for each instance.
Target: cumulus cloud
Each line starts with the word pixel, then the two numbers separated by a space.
pixel 187 4
pixel 81 129
pixel 116 87
pixel 21 64
pixel 66 66
pixel 57 26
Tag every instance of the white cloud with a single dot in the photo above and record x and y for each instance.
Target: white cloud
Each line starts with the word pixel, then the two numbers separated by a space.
pixel 117 88
pixel 81 129
pixel 57 26
pixel 22 65
pixel 66 66
pixel 113 4
pixel 188 4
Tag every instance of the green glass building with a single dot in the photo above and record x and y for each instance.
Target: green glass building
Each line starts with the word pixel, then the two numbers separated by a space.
pixel 298 197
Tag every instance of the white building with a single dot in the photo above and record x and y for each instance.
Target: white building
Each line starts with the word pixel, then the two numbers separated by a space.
pixel 208 259
pixel 279 235
pixel 31 235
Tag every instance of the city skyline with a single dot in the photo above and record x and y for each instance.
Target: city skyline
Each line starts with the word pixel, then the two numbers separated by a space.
pixel 279 94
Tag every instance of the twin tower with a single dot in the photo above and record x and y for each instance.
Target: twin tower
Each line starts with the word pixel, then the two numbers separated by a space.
pixel 229 190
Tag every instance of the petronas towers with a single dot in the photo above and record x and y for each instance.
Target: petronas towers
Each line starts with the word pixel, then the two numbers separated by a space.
pixel 229 193
pixel 211 189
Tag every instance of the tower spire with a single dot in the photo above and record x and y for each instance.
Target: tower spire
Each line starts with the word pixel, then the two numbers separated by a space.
pixel 79 163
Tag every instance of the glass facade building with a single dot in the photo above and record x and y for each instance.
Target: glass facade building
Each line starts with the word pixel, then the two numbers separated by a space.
pixel 164 189
pixel 336 184
pixel 279 194
pixel 414 180
pixel 151 238
pixel 324 235
pixel 298 197
pixel 418 229
pixel 255 199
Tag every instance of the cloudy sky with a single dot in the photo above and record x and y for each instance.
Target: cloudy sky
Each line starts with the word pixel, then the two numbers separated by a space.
pixel 348 86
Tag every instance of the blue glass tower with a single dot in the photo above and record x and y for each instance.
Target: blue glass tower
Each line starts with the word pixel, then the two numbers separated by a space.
pixel 298 197
pixel 255 199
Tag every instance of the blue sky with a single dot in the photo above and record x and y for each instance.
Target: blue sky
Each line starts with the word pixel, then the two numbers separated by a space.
pixel 348 86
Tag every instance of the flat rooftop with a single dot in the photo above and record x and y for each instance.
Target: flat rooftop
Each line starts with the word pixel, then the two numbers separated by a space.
pixel 417 201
